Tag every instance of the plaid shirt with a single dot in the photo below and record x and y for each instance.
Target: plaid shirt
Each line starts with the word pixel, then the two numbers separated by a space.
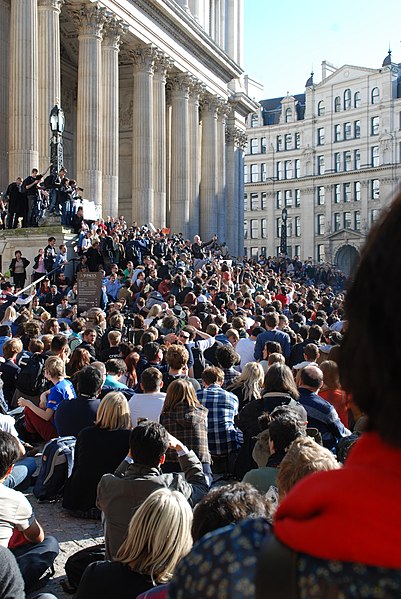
pixel 229 375
pixel 223 436
pixel 189 425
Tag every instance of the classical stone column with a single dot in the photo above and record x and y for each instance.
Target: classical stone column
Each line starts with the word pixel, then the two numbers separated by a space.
pixel 112 32
pixel 161 65
pixel 142 131
pixel 4 90
pixel 223 111
pixel 209 174
pixel 234 236
pixel 194 158
pixel 49 70
pixel 179 200
pixel 23 99
pixel 89 109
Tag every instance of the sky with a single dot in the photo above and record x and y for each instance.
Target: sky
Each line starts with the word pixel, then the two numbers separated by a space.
pixel 284 41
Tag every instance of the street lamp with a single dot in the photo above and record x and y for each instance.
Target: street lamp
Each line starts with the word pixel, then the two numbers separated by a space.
pixel 56 122
pixel 283 243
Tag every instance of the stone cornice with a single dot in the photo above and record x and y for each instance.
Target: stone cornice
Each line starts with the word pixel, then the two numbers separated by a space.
pixel 52 4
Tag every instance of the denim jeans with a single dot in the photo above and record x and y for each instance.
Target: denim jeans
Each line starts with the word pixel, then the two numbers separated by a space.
pixel 22 469
pixel 35 558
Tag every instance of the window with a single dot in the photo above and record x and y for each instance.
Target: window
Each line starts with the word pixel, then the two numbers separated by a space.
pixel 254 252
pixel 374 125
pixel 263 145
pixel 320 108
pixel 320 253
pixel 245 202
pixel 374 189
pixel 254 228
pixel 347 220
pixel 288 169
pixel 357 129
pixel 279 143
pixel 337 221
pixel 347 161
pixel 320 165
pixel 357 220
pixel 357 159
pixel 278 227
pixel 279 199
pixel 297 198
pixel 254 146
pixel 320 224
pixel 254 201
pixel 337 132
pixel 337 193
pixel 245 173
pixel 357 99
pixel 263 171
pixel 374 215
pixel 263 228
pixel 337 162
pixel 289 228
pixel 297 168
pixel 288 115
pixel 288 198
pixel 320 136
pixel 337 104
pixel 297 249
pixel 254 120
pixel 375 155
pixel 245 229
pixel 347 99
pixel 264 200
pixel 320 195
pixel 357 191
pixel 254 173
pixel 375 97
pixel 288 141
pixel 297 223
pixel 298 140
pixel 347 131
pixel 279 169
pixel 347 192
pixel 263 251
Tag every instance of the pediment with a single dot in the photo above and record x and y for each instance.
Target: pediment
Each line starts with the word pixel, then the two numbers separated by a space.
pixel 345 235
pixel 346 73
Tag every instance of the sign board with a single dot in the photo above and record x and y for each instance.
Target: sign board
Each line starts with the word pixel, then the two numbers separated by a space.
pixel 89 288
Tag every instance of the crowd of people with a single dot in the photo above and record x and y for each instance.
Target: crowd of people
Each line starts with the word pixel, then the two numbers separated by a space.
pixel 200 392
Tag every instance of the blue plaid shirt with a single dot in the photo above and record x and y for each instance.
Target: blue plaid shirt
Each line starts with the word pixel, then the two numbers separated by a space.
pixel 223 436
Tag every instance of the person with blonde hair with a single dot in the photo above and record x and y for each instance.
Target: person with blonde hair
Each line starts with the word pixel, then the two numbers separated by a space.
pixel 248 385
pixel 10 315
pixel 99 450
pixel 159 536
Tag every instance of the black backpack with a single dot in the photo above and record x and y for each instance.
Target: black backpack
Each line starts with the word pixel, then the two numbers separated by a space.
pixel 31 380
pixel 199 360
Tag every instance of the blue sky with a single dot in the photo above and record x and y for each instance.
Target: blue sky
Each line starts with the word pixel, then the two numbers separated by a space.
pixel 283 41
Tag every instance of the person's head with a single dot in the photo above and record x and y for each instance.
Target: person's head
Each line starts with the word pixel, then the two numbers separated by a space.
pixel 311 352
pixel 89 336
pixel 180 391
pixel 59 346
pixel 151 380
pixel 114 338
pixel 80 357
pixel 5 330
pixel 152 352
pixel 100 366
pixel 315 332
pixel 11 348
pixel 227 505
pixel 311 377
pixel 177 357
pixel 331 374
pixel 250 381
pixel 116 321
pixel 212 376
pixel 113 412
pixel 10 314
pixel 283 430
pixel 51 327
pixel 90 380
pixel 32 328
pixel 116 367
pixel 303 457
pixel 275 358
pixel 279 378
pixel 148 443
pixel 232 336
pixel 272 320
pixel 159 535
pixel 35 346
pixel 10 452
pixel 54 368
pixel 226 356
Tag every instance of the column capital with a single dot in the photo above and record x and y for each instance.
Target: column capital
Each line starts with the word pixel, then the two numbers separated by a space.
pixel 53 4
pixel 91 19
pixel 162 64
pixel 196 90
pixel 211 104
pixel 180 83
pixel 113 30
pixel 143 58
pixel 236 136
pixel 224 110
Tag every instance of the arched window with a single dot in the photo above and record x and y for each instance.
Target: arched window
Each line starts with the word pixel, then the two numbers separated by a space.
pixel 288 115
pixel 375 95
pixel 337 104
pixel 347 99
pixel 357 99
pixel 320 108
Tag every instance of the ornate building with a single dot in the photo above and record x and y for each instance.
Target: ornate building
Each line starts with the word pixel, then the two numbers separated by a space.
pixel 331 157
pixel 154 103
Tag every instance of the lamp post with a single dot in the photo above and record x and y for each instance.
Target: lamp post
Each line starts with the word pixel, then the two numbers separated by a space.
pixel 56 122
pixel 283 242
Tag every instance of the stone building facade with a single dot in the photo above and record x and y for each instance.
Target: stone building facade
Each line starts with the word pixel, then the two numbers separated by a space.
pixel 331 156
pixel 154 104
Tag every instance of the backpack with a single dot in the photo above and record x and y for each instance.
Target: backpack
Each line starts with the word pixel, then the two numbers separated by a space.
pixel 31 380
pixel 55 468
pixel 199 360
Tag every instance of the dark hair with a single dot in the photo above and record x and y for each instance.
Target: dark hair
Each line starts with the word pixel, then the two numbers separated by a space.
pixel 148 443
pixel 115 366
pixel 272 319
pixel 226 356
pixel 279 378
pixel 151 379
pixel 90 380
pixel 58 342
pixel 315 332
pixel 150 350
pixel 273 347
pixel 227 505
pixel 284 429
pixel 9 452
pixel 5 330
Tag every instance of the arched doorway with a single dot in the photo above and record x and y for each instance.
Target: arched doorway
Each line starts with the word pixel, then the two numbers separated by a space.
pixel 347 258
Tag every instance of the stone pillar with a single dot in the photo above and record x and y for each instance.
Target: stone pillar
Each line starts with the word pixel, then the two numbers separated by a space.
pixel 162 63
pixel 111 45
pixel 236 141
pixel 49 70
pixel 89 109
pixel 4 91
pixel 194 159
pixel 23 99
pixel 142 140
pixel 209 174
pixel 222 114
pixel 179 199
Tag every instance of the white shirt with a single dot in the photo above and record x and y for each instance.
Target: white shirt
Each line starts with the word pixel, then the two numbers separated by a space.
pixel 15 512
pixel 245 348
pixel 202 343
pixel 7 425
pixel 146 405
